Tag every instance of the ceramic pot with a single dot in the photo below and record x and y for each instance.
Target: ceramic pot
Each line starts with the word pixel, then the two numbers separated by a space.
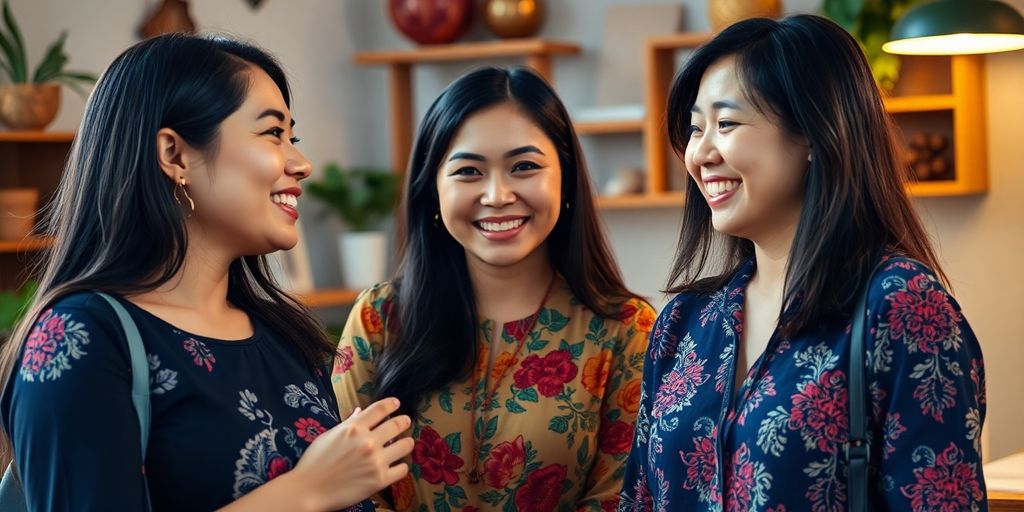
pixel 723 13
pixel 431 21
pixel 29 106
pixel 514 18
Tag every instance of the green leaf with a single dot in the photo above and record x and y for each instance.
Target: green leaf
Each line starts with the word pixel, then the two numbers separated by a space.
pixel 844 12
pixel 583 453
pixel 13 305
pixel 456 494
pixel 366 389
pixel 559 424
pixel 363 349
pixel 492 497
pixel 18 61
pixel 73 85
pixel 576 350
pixel 538 345
pixel 553 320
pixel 441 503
pixel 445 400
pixel 492 428
pixel 454 442
pixel 53 61
pixel 513 407
pixel 360 196
pixel 528 395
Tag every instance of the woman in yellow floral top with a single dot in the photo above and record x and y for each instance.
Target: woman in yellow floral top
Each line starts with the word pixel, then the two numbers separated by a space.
pixel 507 332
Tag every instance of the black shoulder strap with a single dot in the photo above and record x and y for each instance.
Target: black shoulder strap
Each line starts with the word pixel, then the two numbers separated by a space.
pixel 857 449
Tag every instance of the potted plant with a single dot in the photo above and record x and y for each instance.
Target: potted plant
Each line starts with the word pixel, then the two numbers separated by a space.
pixel 870 23
pixel 361 197
pixel 31 100
pixel 12 305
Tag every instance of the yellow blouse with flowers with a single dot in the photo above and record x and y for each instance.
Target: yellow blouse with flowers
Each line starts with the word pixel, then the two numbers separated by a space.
pixel 547 428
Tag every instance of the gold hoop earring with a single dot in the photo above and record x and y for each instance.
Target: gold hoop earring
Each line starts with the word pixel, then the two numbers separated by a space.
pixel 191 203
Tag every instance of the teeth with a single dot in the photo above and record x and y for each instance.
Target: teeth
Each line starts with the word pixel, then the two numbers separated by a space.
pixel 285 199
pixel 498 227
pixel 717 188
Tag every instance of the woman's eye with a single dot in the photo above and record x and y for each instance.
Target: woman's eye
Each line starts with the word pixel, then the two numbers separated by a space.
pixel 525 165
pixel 276 132
pixel 465 171
pixel 693 129
pixel 295 140
pixel 725 124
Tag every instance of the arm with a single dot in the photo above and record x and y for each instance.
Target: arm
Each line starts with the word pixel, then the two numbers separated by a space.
pixel 619 408
pixel 72 423
pixel 928 394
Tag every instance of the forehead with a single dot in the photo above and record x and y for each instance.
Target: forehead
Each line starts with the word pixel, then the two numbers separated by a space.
pixel 263 93
pixel 500 126
pixel 720 80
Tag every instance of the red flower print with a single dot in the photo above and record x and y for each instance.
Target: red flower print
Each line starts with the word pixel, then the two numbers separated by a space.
pixel 700 467
pixel 610 505
pixel 616 437
pixel 277 466
pixel 505 463
pixel 42 343
pixel 549 374
pixel 201 354
pixel 516 330
pixel 402 492
pixel 921 316
pixel 371 320
pixel 343 360
pixel 741 479
pixel 436 460
pixel 820 410
pixel 542 489
pixel 308 429
pixel 628 310
pixel 471 508
pixel 948 485
pixel 679 386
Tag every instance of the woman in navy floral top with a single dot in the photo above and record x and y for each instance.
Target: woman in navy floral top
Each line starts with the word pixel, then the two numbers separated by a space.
pixel 745 396
pixel 183 174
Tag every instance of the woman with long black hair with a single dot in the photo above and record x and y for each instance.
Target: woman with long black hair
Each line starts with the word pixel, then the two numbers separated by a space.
pixel 797 235
pixel 183 174
pixel 507 332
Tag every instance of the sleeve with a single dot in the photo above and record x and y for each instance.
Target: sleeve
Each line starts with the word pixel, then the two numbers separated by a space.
pixel 619 408
pixel 636 494
pixel 361 341
pixel 928 394
pixel 70 415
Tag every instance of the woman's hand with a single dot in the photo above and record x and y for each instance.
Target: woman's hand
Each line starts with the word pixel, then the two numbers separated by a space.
pixel 350 462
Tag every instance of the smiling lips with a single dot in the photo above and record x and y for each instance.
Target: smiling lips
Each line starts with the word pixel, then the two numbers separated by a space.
pixel 501 228
pixel 287 200
pixel 719 190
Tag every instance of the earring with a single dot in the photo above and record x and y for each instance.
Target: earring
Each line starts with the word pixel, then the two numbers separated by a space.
pixel 567 205
pixel 437 219
pixel 191 203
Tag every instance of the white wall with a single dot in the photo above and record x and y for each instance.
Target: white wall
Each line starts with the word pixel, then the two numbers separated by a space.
pixel 341 110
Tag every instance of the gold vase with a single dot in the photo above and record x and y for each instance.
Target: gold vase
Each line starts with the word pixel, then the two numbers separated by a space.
pixel 29 106
pixel 514 18
pixel 723 13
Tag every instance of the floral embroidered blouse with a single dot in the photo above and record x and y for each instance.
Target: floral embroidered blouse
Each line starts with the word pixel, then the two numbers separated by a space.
pixel 554 430
pixel 227 416
pixel 780 447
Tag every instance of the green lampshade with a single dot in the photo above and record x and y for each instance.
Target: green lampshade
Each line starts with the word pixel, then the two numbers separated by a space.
pixel 957 27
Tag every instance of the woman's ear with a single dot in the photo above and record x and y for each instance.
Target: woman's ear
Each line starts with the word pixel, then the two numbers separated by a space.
pixel 174 155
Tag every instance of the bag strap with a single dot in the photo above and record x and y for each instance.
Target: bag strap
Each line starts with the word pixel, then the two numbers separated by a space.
pixel 140 379
pixel 858 452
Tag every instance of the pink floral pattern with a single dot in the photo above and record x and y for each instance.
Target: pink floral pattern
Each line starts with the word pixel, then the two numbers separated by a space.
pixel 201 354
pixel 778 442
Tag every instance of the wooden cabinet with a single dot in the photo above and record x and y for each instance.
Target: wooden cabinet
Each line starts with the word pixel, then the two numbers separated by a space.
pixel 943 95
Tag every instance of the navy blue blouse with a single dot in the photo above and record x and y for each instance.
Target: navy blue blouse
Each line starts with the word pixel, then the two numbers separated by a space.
pixel 227 416
pixel 779 445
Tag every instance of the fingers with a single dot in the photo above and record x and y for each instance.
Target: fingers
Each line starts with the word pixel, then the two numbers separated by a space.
pixel 398 450
pixel 395 473
pixel 376 413
pixel 390 429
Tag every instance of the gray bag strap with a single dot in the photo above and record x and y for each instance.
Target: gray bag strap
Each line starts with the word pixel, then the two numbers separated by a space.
pixel 12 495
pixel 858 453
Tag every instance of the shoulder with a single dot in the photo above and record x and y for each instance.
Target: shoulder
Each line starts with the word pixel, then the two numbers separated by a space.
pixel 378 296
pixel 901 282
pixel 636 315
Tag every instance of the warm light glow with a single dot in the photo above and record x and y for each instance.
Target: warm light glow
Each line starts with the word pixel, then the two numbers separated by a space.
pixel 956 44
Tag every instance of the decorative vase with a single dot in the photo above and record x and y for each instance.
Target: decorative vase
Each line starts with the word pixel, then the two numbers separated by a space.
pixel 17 209
pixel 363 258
pixel 29 106
pixel 171 16
pixel 723 13
pixel 514 18
pixel 431 21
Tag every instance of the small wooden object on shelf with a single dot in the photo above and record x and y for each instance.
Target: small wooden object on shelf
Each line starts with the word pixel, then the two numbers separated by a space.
pixel 538 54
pixel 329 297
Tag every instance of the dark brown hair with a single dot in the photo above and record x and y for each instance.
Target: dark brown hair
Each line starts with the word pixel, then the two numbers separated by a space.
pixel 810 75
pixel 435 332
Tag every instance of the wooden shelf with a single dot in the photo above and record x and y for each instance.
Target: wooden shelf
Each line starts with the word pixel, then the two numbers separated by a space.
pixel 605 127
pixel 679 41
pixel 643 201
pixel 329 297
pixel 945 188
pixel 468 51
pixel 27 245
pixel 36 136
pixel 923 103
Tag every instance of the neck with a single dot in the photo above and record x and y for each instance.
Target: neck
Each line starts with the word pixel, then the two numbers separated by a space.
pixel 510 292
pixel 201 284
pixel 771 254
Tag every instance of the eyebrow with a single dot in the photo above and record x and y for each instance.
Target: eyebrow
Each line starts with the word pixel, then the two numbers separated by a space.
pixel 718 105
pixel 272 112
pixel 462 155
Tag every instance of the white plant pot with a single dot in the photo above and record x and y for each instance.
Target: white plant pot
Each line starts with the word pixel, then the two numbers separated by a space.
pixel 363 258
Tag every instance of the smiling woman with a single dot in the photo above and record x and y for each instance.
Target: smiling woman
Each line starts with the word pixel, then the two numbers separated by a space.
pixel 183 176
pixel 507 332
